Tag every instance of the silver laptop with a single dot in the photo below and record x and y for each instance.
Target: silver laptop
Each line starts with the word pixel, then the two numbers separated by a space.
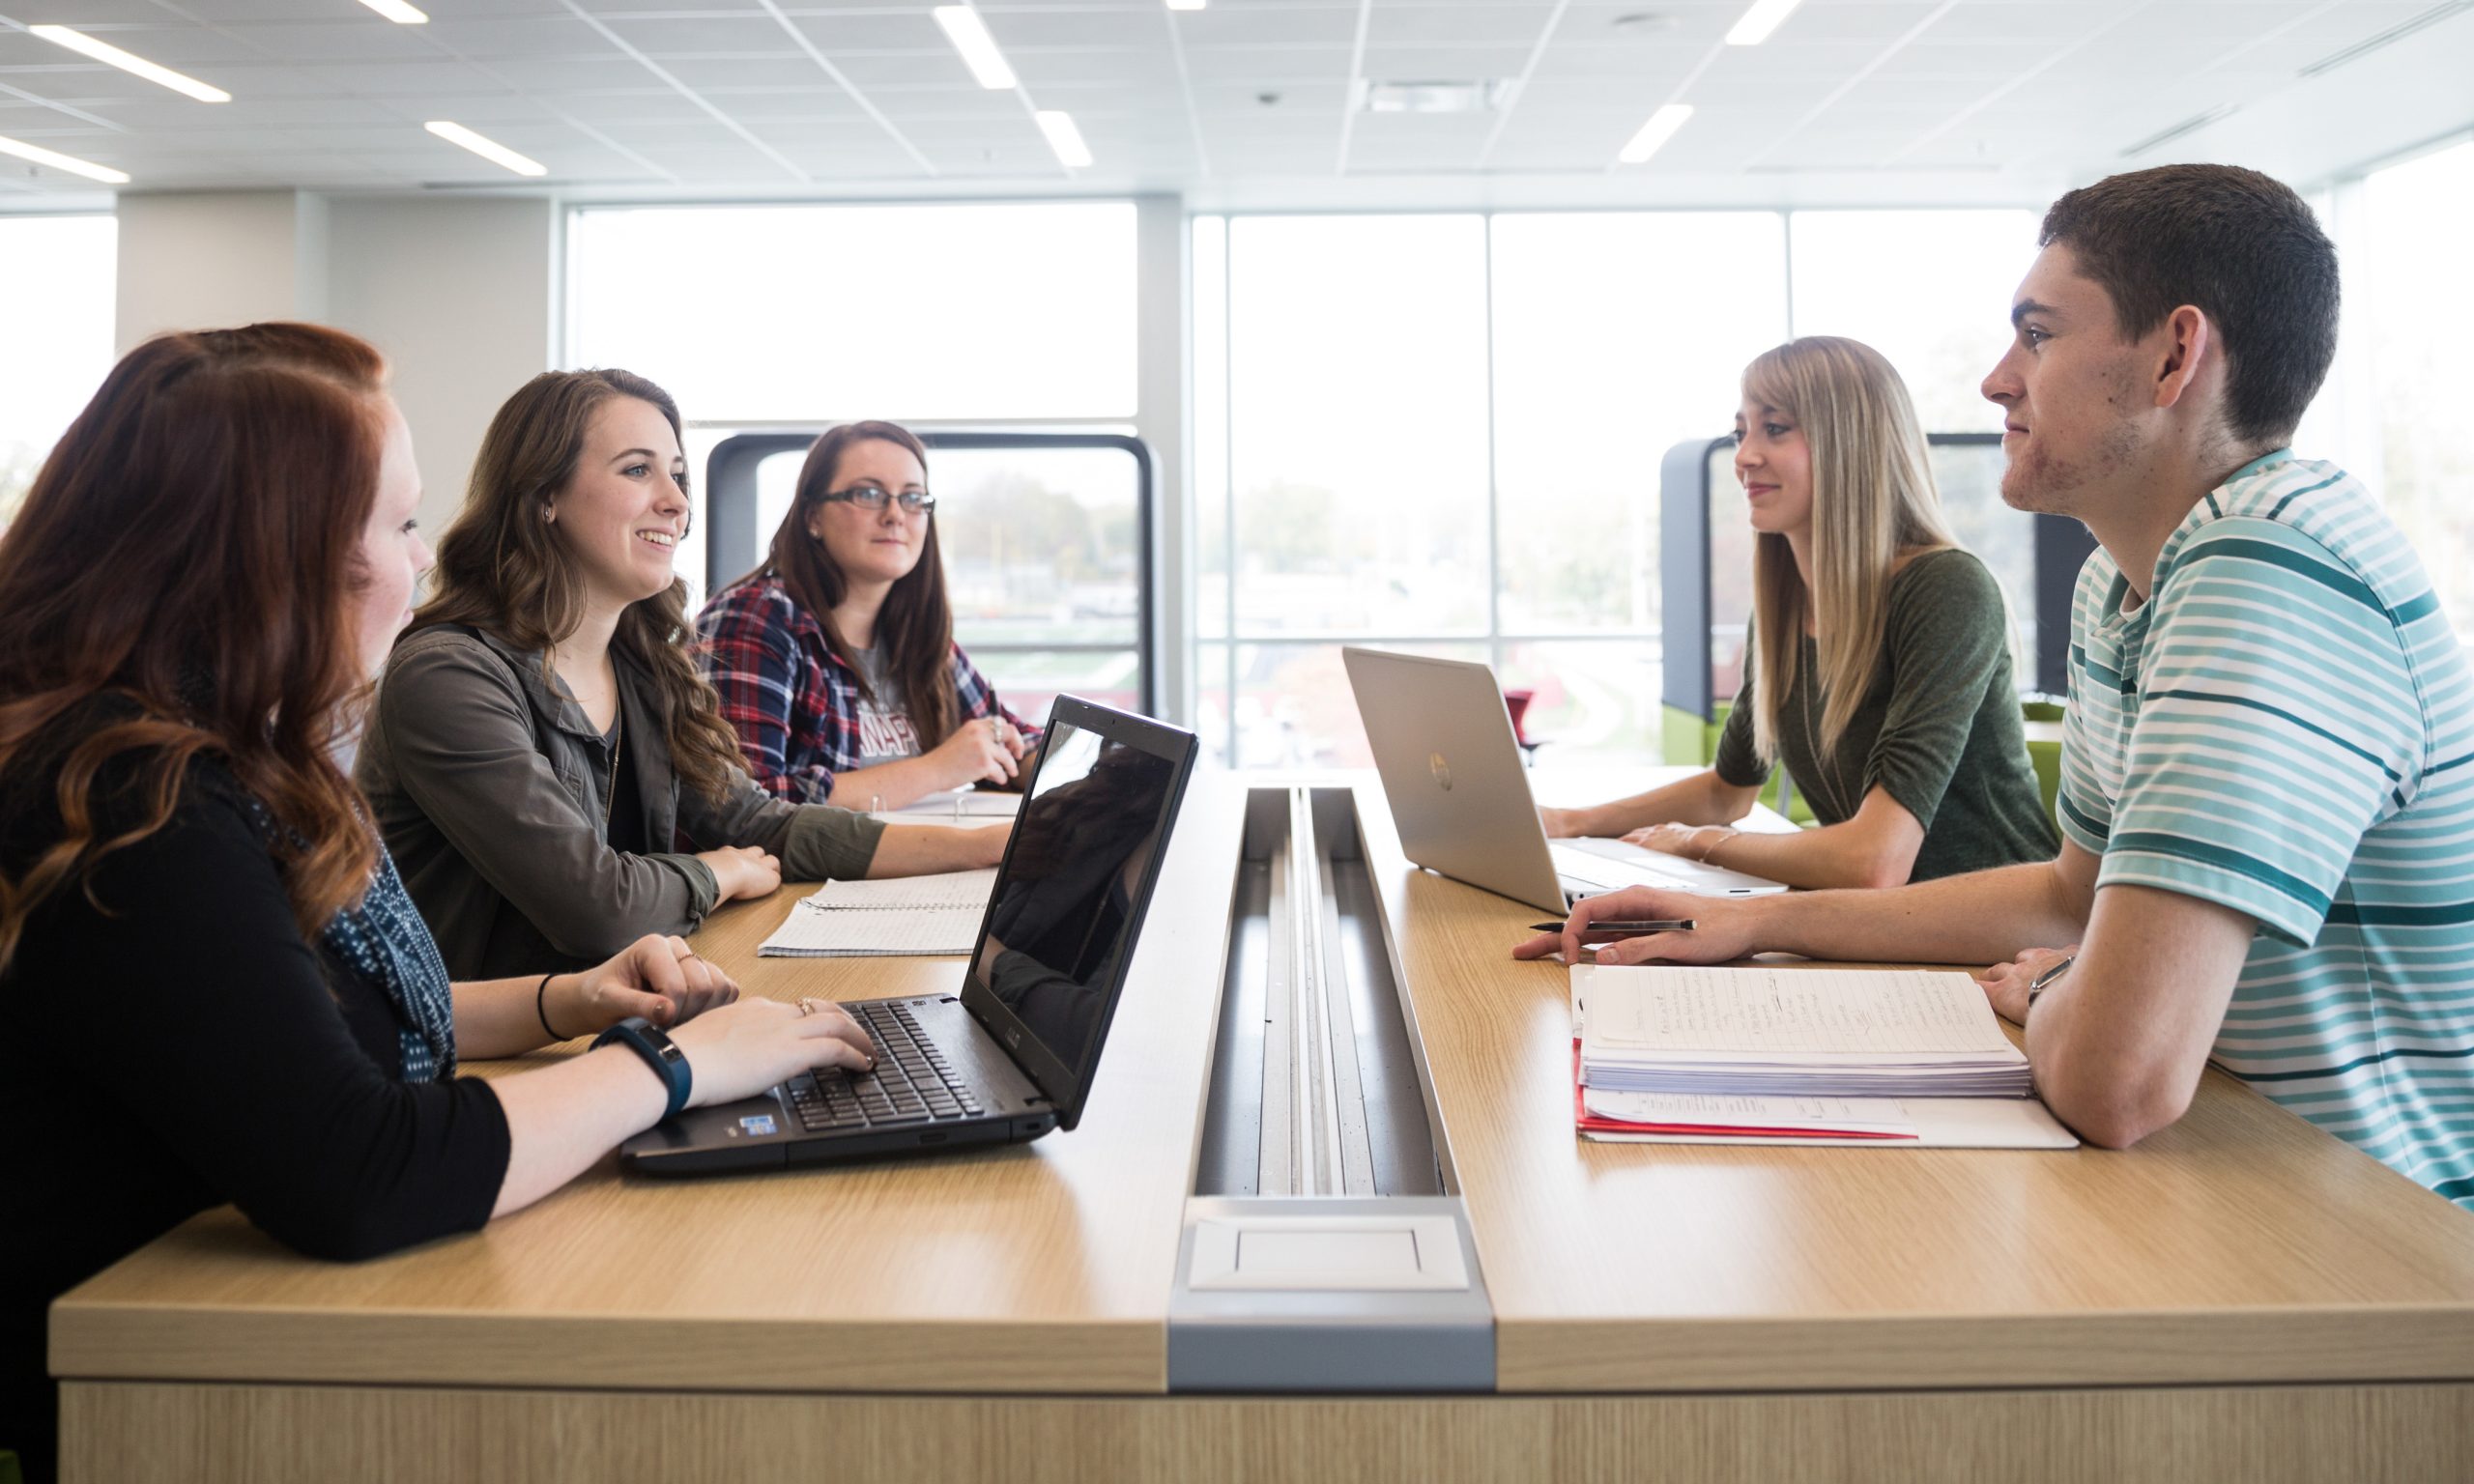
pixel 1461 799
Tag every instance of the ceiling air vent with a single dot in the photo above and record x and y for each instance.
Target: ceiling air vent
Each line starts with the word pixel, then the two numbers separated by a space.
pixel 1479 97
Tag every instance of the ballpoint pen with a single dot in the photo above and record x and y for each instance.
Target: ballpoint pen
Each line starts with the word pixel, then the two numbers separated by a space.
pixel 1617 928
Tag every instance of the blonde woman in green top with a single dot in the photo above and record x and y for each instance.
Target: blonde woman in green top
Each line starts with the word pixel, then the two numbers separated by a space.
pixel 1877 668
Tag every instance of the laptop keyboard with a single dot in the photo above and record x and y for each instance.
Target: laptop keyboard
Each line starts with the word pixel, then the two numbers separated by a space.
pixel 1604 870
pixel 912 1084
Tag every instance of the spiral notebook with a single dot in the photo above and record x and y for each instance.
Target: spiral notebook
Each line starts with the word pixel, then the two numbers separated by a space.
pixel 906 916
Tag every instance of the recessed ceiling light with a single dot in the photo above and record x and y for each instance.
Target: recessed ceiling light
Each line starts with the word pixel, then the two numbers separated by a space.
pixel 1759 21
pixel 1064 138
pixel 71 163
pixel 969 36
pixel 490 150
pixel 397 12
pixel 1659 131
pixel 105 51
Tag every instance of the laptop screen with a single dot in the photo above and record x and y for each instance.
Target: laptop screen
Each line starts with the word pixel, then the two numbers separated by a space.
pixel 1071 895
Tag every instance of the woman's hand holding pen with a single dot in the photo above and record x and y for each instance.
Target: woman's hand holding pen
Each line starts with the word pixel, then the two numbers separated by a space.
pixel 1719 933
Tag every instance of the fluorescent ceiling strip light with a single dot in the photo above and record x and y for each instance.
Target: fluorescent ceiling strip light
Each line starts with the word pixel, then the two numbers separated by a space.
pixel 1186 5
pixel 398 12
pixel 1064 138
pixel 105 51
pixel 2396 33
pixel 1658 131
pixel 490 150
pixel 969 36
pixel 74 166
pixel 2190 126
pixel 1759 21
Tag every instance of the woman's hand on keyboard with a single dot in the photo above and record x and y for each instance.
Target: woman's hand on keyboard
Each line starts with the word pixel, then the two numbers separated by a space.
pixel 741 1049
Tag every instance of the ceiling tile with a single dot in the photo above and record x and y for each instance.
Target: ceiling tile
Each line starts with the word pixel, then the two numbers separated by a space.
pixel 704 37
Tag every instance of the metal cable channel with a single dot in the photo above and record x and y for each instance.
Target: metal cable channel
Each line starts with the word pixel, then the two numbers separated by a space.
pixel 1313 1139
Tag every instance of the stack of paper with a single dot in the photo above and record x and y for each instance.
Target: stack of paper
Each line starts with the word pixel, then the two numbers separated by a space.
pixel 1769 1055
pixel 907 915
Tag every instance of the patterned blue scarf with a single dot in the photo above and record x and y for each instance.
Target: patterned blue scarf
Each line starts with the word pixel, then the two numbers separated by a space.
pixel 384 940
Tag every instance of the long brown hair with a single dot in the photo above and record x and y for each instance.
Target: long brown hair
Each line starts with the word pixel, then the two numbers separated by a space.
pixel 502 567
pixel 1874 500
pixel 191 549
pixel 915 628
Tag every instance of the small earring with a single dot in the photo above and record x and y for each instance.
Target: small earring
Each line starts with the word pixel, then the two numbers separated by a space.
pixel 549 514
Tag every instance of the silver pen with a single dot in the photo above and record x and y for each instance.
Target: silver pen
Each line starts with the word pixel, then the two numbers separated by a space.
pixel 2036 985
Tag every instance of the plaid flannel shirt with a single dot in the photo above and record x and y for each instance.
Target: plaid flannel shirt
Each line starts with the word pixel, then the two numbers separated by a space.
pixel 793 702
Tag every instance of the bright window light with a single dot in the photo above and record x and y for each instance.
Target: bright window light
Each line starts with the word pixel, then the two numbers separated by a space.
pixel 71 163
pixel 1658 131
pixel 1759 21
pixel 490 150
pixel 969 36
pixel 64 320
pixel 398 12
pixel 105 51
pixel 1064 138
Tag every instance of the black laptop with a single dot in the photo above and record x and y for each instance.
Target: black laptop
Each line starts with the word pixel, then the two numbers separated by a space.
pixel 1012 1056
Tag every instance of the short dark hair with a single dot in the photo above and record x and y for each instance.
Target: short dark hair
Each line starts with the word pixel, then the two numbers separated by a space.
pixel 2239 246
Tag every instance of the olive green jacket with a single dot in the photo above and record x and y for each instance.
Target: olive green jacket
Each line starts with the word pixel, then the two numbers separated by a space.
pixel 488 783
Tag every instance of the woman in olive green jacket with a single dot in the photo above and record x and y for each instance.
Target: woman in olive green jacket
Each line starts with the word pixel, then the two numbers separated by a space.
pixel 551 775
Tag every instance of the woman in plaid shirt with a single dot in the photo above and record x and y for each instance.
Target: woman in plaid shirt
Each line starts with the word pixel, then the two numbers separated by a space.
pixel 836 661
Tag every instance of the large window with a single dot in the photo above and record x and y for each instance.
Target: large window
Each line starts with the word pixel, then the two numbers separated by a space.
pixel 1443 433
pixel 2408 263
pixel 1930 290
pixel 935 316
pixel 919 313
pixel 1042 563
pixel 56 328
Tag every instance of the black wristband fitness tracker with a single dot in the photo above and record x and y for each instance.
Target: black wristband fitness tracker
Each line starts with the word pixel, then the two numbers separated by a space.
pixel 662 1054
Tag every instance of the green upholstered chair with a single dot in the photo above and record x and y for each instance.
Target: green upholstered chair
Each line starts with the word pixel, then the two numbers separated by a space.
pixel 2045 753
pixel 1690 739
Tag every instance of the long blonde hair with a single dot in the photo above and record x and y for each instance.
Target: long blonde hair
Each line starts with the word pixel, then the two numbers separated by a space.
pixel 1873 500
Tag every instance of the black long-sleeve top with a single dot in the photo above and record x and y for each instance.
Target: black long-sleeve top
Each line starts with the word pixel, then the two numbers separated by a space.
pixel 185 1046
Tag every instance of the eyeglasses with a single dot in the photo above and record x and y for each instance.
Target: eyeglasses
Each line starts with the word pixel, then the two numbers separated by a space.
pixel 873 497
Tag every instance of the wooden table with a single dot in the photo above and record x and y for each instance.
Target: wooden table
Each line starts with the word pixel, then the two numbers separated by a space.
pixel 2240 1298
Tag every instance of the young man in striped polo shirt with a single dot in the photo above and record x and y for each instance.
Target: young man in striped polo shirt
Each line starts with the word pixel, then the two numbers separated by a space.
pixel 2267 800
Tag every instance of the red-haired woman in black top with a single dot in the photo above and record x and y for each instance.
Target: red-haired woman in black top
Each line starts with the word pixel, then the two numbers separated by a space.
pixel 215 988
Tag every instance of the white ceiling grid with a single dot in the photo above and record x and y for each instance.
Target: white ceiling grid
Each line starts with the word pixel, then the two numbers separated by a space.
pixel 1991 98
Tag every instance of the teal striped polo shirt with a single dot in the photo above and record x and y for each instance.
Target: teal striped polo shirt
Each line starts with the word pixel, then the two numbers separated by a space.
pixel 2286 727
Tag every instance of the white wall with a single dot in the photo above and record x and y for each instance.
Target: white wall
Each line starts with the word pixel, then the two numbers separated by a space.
pixel 195 260
pixel 1163 320
pixel 460 294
